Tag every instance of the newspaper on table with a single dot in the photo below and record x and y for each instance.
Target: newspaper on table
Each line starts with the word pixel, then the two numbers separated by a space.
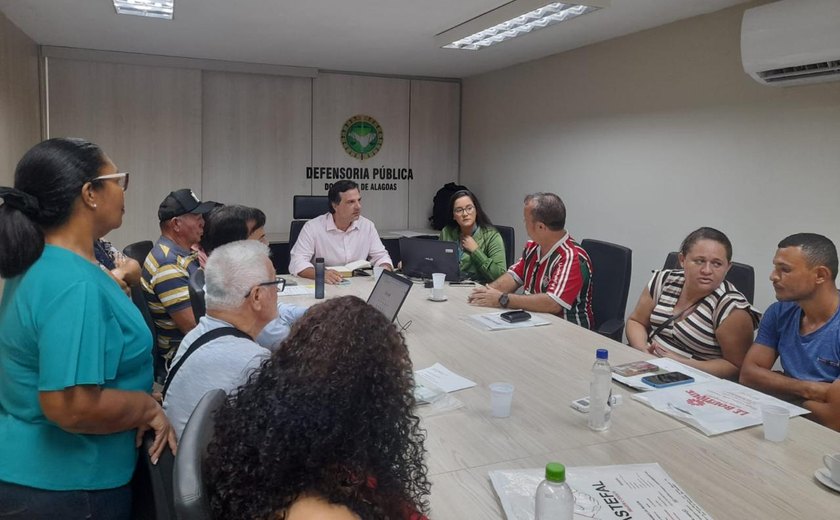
pixel 492 321
pixel 636 491
pixel 713 407
pixel 638 371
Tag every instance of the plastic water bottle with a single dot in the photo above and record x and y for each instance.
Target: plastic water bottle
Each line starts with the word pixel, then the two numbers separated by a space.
pixel 599 392
pixel 319 278
pixel 555 500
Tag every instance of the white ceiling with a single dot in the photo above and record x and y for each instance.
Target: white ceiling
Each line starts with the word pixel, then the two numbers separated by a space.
pixel 374 36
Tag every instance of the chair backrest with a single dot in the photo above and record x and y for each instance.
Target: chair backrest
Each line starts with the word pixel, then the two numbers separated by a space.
pixel 611 265
pixel 139 301
pixel 190 497
pixel 151 485
pixel 309 206
pixel 294 232
pixel 742 276
pixel 509 238
pixel 138 250
pixel 196 289
pixel 672 261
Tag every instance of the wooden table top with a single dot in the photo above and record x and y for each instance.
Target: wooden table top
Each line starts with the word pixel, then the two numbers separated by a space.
pixel 734 475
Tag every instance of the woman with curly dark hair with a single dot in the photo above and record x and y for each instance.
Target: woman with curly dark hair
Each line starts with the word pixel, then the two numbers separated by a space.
pixel 327 424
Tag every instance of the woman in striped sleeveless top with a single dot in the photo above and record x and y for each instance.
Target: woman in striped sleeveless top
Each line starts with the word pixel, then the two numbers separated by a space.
pixel 693 314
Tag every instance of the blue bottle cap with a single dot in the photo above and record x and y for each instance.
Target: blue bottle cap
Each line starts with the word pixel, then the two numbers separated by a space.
pixel 602 353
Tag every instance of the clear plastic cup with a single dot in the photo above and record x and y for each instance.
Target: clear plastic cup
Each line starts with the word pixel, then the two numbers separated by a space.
pixel 775 419
pixel 501 398
pixel 437 286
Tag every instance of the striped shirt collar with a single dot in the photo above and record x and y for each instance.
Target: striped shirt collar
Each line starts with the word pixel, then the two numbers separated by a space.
pixel 553 248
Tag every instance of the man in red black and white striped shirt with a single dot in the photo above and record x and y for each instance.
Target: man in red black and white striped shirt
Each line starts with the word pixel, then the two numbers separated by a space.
pixel 554 271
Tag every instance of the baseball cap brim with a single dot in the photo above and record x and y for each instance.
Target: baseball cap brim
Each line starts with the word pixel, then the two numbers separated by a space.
pixel 203 208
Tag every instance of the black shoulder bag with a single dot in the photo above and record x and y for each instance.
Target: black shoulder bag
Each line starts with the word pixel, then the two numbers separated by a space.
pixel 199 342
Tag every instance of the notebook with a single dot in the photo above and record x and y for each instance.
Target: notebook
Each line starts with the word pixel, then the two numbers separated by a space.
pixel 421 257
pixel 389 293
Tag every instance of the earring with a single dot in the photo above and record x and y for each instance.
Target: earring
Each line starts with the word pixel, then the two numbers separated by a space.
pixel 94 204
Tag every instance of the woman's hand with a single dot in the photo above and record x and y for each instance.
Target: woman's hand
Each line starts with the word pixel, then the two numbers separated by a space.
pixel 659 351
pixel 468 243
pixel 164 434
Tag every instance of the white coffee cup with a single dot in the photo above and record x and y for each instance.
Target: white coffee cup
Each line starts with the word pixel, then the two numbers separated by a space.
pixel 775 419
pixel 832 462
pixel 437 286
pixel 377 272
pixel 501 398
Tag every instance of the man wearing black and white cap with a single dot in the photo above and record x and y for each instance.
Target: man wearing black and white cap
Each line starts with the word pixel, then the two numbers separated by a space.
pixel 169 265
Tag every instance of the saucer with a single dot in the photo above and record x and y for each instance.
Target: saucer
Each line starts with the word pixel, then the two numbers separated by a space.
pixel 437 299
pixel 824 477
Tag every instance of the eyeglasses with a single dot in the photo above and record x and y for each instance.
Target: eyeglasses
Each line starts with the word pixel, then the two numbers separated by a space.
pixel 121 178
pixel 464 211
pixel 279 282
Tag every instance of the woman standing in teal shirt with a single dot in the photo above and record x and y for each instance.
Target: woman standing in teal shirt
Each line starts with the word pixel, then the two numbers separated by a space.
pixel 481 249
pixel 75 354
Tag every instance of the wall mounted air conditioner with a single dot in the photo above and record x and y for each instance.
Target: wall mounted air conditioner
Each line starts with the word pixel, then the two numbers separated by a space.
pixel 792 42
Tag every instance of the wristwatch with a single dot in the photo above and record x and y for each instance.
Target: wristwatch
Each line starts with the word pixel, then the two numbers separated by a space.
pixel 504 299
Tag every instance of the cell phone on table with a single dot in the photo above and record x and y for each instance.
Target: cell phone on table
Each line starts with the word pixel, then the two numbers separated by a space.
pixel 515 316
pixel 667 379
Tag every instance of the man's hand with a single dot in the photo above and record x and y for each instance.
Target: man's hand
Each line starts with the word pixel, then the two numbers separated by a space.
pixel 484 296
pixel 332 277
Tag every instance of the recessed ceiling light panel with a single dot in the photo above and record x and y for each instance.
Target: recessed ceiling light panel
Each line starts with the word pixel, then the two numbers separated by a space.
pixel 151 8
pixel 495 31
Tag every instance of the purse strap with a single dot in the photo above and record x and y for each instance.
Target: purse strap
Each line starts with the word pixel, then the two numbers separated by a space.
pixel 670 320
pixel 198 343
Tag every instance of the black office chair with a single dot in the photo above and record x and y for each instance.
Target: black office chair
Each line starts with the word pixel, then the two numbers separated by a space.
pixel 742 276
pixel 509 238
pixel 138 250
pixel 294 232
pixel 611 265
pixel 190 497
pixel 196 288
pixel 151 485
pixel 138 298
pixel 305 207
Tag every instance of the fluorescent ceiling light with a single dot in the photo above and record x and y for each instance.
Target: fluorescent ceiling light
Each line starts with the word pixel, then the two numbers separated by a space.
pixel 504 23
pixel 151 8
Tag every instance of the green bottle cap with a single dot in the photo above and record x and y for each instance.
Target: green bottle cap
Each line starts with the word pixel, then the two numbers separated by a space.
pixel 555 472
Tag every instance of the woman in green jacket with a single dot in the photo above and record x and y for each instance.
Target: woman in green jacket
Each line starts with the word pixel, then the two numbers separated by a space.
pixel 480 246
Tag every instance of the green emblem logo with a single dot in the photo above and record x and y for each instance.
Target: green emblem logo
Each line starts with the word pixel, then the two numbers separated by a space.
pixel 361 137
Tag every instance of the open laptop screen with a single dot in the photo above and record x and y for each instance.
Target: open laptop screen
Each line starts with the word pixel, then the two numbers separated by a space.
pixel 422 257
pixel 389 293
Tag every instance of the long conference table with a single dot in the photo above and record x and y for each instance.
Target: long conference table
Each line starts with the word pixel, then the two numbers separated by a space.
pixel 733 475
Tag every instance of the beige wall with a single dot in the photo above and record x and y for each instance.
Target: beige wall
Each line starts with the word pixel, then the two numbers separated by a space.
pixel 20 125
pixel 651 135
pixel 248 137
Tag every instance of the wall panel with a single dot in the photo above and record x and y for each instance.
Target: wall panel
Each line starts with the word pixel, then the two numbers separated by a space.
pixel 338 97
pixel 434 144
pixel 147 119
pixel 256 141
pixel 20 125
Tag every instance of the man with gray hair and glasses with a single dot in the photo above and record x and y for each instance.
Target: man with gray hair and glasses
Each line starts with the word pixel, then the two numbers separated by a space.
pixel 554 271
pixel 220 352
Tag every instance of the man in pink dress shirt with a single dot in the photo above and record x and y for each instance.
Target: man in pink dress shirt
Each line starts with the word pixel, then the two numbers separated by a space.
pixel 341 236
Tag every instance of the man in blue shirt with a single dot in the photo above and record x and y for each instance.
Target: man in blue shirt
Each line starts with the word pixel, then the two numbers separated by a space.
pixel 802 329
